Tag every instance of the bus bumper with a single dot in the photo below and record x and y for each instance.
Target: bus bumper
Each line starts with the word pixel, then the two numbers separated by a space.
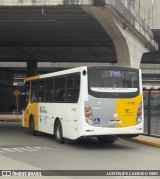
pixel 97 131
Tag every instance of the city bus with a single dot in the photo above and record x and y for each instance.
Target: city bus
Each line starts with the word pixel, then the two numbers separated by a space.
pixel 95 101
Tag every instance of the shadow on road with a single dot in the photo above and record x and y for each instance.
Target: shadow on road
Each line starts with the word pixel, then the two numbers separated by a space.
pixel 11 128
pixel 88 143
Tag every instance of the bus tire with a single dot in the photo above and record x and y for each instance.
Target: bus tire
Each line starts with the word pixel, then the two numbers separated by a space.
pixel 106 139
pixel 32 126
pixel 58 132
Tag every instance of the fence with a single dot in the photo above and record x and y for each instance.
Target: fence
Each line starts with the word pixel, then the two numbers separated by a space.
pixel 152 112
pixel 44 2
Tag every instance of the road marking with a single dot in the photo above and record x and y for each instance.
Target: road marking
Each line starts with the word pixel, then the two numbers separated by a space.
pixel 48 148
pixel 23 149
pixel 8 150
pixel 32 149
pixel 17 149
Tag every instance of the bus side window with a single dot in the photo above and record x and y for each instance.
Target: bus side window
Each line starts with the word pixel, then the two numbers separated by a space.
pixel 41 90
pixel 49 90
pixel 34 91
pixel 27 87
pixel 34 95
pixel 72 91
pixel 59 91
pixel 76 87
pixel 25 95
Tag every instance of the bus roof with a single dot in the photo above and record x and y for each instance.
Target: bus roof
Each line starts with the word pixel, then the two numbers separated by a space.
pixel 62 72
pixel 72 70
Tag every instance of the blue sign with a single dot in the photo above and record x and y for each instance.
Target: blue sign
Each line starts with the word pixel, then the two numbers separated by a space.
pixel 96 120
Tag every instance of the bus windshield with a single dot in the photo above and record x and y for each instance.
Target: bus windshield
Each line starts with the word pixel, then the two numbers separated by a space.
pixel 113 81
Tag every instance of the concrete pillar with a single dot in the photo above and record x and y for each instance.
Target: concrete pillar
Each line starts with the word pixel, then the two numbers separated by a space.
pixel 7 102
pixel 129 47
pixel 31 68
pixel 132 45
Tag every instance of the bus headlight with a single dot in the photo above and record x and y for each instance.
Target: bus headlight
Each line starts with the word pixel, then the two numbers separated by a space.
pixel 88 115
pixel 139 114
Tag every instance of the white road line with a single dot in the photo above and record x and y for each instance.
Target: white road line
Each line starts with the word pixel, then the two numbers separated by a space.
pixel 17 149
pixel 32 149
pixel 48 148
pixel 8 150
pixel 26 149
pixel 23 149
pixel 38 148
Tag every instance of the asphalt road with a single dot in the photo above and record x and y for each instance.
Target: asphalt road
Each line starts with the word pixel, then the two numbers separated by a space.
pixel 20 150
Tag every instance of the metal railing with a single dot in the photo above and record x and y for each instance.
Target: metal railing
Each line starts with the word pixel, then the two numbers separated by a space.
pixel 131 14
pixel 151 99
pixel 44 2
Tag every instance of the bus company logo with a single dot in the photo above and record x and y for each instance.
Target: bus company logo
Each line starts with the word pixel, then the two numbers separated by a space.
pixel 96 120
pixel 127 110
pixel 42 109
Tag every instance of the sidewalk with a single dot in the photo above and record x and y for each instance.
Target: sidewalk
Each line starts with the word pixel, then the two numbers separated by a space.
pixel 11 118
pixel 153 141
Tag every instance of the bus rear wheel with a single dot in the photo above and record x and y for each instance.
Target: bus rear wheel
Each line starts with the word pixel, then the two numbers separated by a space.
pixel 32 126
pixel 106 139
pixel 59 133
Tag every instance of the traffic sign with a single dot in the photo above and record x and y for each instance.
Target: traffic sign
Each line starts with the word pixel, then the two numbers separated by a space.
pixel 16 92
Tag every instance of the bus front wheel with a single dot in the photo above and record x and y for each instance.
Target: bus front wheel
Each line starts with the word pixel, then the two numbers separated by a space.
pixel 58 132
pixel 32 126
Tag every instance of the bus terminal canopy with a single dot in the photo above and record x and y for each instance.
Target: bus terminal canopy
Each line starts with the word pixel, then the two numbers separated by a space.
pixel 54 33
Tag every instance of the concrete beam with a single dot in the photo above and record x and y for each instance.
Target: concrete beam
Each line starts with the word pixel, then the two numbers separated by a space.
pixel 59 54
pixel 31 68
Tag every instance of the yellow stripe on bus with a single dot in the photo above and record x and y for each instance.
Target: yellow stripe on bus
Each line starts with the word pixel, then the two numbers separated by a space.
pixel 32 78
pixel 32 109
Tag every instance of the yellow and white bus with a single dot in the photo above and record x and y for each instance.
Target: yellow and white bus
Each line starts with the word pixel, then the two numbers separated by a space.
pixel 101 101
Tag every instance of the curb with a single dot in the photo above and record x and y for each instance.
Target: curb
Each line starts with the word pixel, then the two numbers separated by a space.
pixel 143 141
pixel 10 119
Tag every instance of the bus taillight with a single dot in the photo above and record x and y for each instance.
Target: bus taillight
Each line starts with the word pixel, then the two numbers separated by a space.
pixel 88 115
pixel 139 114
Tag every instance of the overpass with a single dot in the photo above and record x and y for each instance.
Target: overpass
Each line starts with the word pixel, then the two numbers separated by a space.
pixel 73 31
pixel 61 33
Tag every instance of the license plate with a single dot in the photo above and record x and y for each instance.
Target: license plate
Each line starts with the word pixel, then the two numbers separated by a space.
pixel 114 122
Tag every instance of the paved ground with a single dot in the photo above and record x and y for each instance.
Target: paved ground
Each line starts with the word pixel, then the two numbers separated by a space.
pixel 20 150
